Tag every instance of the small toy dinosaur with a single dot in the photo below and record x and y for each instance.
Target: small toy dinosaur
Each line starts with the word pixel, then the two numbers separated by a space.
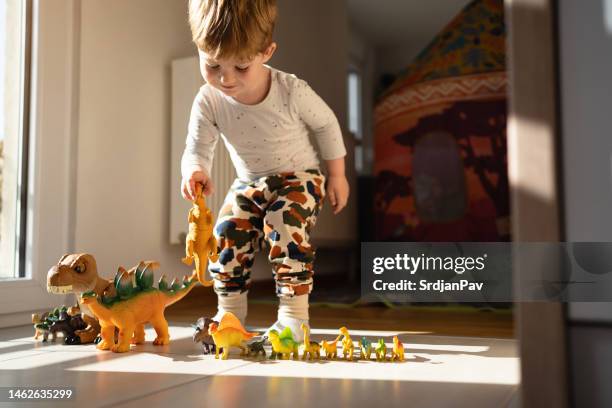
pixel 255 346
pixel 398 350
pixel 366 348
pixel 229 332
pixel 331 348
pixel 201 335
pixel 283 344
pixel 310 348
pixel 68 325
pixel 135 305
pixel 200 244
pixel 381 350
pixel 41 326
pixel 348 348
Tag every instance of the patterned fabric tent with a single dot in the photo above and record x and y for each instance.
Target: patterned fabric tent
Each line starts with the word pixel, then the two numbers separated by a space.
pixel 440 137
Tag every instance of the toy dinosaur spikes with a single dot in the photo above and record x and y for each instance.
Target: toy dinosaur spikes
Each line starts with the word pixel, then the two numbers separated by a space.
pixel 162 284
pixel 144 276
pixel 175 285
pixel 200 244
pixel 124 283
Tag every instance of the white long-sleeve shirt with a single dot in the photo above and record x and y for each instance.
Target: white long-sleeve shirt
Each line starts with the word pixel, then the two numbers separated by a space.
pixel 263 139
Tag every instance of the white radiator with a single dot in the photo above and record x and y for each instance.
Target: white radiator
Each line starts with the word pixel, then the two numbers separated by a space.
pixel 186 81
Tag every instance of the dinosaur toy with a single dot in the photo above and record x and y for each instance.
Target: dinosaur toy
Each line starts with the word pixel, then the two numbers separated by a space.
pixel 201 335
pixel 200 244
pixel 67 325
pixel 397 352
pixel 366 348
pixel 348 348
pixel 77 274
pixel 44 322
pixel 135 305
pixel 255 346
pixel 331 348
pixel 283 344
pixel 310 348
pixel 40 328
pixel 229 332
pixel 381 350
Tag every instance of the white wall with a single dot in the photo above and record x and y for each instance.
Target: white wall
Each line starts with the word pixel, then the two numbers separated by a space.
pixel 586 63
pixel 124 127
pixel 124 119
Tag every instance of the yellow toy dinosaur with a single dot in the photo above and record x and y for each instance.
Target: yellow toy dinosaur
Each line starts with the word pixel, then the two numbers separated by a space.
pixel 229 332
pixel 200 244
pixel 348 348
pixel 134 306
pixel 309 347
pixel 331 348
pixel 397 353
pixel 283 344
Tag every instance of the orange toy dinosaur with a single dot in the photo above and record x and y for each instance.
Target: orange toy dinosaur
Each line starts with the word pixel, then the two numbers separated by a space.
pixel 200 244
pixel 134 306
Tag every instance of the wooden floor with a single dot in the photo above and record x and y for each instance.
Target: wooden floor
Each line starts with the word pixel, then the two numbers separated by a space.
pixel 446 321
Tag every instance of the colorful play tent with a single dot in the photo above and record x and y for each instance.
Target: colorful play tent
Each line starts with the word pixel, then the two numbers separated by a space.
pixel 440 137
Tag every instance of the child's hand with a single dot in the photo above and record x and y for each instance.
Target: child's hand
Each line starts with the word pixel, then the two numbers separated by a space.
pixel 337 192
pixel 188 185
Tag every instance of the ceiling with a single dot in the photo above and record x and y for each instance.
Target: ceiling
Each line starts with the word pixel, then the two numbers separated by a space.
pixel 385 23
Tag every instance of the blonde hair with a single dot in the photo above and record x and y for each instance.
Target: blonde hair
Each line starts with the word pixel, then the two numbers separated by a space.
pixel 232 28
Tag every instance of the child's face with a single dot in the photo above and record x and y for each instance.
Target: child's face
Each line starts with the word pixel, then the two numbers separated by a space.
pixel 240 79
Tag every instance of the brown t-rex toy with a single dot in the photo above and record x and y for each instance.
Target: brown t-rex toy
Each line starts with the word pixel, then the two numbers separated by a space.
pixel 78 273
pixel 200 244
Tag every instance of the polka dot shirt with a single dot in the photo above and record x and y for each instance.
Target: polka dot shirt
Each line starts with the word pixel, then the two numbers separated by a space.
pixel 270 137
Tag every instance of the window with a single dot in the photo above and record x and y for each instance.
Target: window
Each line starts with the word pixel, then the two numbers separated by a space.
pixel 14 90
pixel 355 121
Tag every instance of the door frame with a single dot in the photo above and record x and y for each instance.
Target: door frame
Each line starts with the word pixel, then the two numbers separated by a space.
pixel 534 170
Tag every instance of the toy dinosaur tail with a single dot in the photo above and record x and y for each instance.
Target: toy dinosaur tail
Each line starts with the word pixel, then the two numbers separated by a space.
pixel 174 295
pixel 200 269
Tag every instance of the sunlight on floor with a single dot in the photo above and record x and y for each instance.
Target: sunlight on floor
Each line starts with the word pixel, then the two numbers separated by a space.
pixel 439 370
pixel 440 360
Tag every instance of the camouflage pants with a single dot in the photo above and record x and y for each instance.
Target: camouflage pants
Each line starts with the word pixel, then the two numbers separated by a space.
pixel 279 210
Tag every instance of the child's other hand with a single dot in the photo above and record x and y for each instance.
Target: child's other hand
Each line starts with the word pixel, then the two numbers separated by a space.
pixel 337 192
pixel 188 185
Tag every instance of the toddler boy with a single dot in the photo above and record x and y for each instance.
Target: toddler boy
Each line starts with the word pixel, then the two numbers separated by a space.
pixel 264 117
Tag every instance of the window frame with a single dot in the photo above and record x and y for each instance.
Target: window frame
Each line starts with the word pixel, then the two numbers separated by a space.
pixel 51 168
pixel 359 154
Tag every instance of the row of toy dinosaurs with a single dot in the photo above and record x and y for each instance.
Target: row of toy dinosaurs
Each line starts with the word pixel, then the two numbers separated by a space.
pixel 219 337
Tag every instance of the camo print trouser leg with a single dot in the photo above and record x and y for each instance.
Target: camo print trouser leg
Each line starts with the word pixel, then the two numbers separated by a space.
pixel 279 210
